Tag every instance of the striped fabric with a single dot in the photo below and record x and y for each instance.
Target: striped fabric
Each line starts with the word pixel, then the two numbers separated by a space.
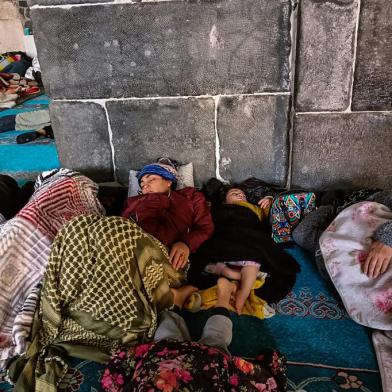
pixel 60 196
pixel 5 61
pixel 24 252
pixel 24 320
pixel 21 328
pixel 25 241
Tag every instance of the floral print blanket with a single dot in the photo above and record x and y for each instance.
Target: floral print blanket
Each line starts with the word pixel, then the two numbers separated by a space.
pixel 344 246
pixel 170 365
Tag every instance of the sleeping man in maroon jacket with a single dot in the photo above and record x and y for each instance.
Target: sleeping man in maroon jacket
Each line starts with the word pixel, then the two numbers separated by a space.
pixel 180 219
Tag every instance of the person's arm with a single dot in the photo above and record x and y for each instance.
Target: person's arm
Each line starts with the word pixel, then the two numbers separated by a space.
pixel 265 203
pixel 380 254
pixel 382 197
pixel 202 226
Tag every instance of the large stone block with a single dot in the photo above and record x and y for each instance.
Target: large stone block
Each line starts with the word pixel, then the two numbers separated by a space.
pixel 164 48
pixel 82 138
pixel 342 150
pixel 144 130
pixel 253 135
pixel 326 32
pixel 373 73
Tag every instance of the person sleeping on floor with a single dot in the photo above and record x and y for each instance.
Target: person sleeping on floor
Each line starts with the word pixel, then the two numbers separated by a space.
pixel 355 252
pixel 26 238
pixel 180 219
pixel 240 249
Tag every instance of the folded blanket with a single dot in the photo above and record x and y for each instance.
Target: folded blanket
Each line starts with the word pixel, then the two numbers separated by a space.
pixel 105 283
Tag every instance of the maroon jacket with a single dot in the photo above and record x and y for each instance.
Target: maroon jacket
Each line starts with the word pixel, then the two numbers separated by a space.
pixel 183 216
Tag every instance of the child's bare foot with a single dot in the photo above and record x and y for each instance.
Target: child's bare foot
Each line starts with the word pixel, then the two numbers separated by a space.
pixel 181 294
pixel 240 298
pixel 225 291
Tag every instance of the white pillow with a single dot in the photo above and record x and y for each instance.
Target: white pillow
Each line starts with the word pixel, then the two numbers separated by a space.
pixel 185 178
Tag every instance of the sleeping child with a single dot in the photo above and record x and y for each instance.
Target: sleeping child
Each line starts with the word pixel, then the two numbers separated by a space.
pixel 241 249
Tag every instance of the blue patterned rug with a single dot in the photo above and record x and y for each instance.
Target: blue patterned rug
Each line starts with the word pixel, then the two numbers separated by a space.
pixel 25 161
pixel 326 350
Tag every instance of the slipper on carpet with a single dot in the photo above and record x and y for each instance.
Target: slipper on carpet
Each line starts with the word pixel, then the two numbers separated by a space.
pixel 30 136
pixel 27 137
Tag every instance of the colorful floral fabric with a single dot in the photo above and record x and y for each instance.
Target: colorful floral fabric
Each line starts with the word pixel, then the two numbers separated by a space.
pixel 287 211
pixel 345 246
pixel 170 365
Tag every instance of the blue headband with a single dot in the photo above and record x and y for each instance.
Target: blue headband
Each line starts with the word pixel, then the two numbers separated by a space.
pixel 159 171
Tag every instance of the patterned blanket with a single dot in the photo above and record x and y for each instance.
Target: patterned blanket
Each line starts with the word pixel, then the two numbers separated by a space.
pixel 104 285
pixel 345 245
pixel 25 240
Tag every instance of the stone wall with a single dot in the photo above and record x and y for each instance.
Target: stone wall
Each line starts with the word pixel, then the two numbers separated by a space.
pixel 296 93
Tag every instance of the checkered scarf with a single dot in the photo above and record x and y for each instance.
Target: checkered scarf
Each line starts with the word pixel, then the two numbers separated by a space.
pixel 105 283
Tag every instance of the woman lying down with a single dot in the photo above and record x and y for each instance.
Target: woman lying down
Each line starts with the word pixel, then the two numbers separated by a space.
pixel 104 285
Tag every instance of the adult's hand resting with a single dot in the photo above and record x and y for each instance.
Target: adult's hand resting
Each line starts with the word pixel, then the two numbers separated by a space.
pixel 179 255
pixel 378 259
pixel 265 202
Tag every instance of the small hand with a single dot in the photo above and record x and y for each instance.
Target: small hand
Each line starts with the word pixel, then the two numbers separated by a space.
pixel 179 255
pixel 378 259
pixel 265 202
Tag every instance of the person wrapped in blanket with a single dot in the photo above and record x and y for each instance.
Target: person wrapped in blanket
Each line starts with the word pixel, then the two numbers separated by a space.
pixel 26 237
pixel 105 283
pixel 180 219
pixel 240 247
pixel 355 253
pixel 173 362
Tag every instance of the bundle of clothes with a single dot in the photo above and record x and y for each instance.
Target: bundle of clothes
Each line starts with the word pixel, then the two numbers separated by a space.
pixel 20 79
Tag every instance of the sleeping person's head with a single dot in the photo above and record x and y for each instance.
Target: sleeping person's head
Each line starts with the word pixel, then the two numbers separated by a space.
pixel 234 195
pixel 157 178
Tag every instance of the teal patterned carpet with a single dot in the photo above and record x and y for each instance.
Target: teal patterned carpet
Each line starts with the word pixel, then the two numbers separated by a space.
pixel 326 350
pixel 25 161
